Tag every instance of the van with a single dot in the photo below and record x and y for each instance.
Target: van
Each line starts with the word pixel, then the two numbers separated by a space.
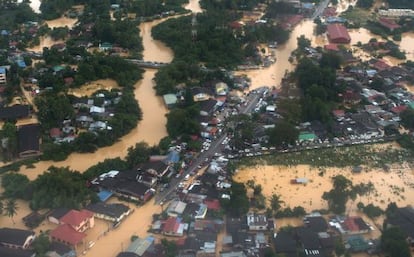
pixel 187 177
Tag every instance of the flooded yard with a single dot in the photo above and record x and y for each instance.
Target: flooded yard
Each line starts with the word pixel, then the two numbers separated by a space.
pixel 393 186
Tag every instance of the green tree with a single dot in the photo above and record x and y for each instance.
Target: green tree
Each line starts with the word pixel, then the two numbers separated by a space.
pixel 394 244
pixel 170 247
pixel 238 204
pixel 11 208
pixel 138 154
pixel 41 244
pixel 407 118
pixel 61 187
pixel 9 137
pixel 15 185
pixel 338 196
pixel 275 203
pixel 303 42
pixel 180 122
pixel 282 134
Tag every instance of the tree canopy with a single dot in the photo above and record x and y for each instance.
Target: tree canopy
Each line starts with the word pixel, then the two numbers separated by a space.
pixel 238 204
pixel 61 187
pixel 394 244
pixel 338 196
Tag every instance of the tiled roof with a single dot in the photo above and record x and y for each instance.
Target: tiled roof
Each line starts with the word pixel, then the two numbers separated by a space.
pixel 67 234
pixel 75 218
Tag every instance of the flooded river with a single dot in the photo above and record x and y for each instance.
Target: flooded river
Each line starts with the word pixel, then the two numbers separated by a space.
pixel 150 129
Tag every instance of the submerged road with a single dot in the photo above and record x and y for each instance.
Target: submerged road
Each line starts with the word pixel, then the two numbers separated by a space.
pixel 215 147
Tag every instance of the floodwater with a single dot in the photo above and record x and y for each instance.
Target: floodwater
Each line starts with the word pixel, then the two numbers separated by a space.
pixel 390 186
pixel 194 6
pixel 61 22
pixel 273 75
pixel 150 129
pixel 92 87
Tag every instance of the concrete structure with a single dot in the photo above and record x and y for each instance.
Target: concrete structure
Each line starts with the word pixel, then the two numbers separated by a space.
pixel 256 221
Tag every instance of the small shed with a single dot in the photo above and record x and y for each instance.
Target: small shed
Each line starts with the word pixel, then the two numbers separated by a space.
pixel 170 100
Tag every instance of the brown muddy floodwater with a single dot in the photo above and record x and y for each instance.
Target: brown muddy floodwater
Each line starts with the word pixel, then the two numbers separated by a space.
pixel 194 6
pixel 150 129
pixel 394 186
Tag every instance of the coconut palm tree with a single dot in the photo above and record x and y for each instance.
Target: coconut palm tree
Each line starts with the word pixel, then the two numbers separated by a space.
pixel 11 208
pixel 275 203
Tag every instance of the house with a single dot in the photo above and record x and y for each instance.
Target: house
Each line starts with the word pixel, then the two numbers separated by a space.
pixel 105 46
pixel 57 249
pixel 78 220
pixel 256 221
pixel 200 243
pixel 140 245
pixel 221 89
pixel 285 243
pixel 55 215
pixel 67 235
pixel 208 225
pixel 96 110
pixel 309 242
pixel 176 208
pixel 195 210
pixel 350 225
pixel 173 226
pixel 12 252
pixel 170 100
pixel 391 25
pixel 233 254
pixel 135 191
pixel 14 112
pixel 148 179
pixel 200 94
pixel 3 78
pixel 338 34
pixel 16 238
pixel 114 212
pixel 28 137
pixel 316 223
pixel 207 107
pixel 155 168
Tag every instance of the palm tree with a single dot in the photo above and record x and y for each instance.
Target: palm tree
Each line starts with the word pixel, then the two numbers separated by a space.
pixel 275 203
pixel 11 208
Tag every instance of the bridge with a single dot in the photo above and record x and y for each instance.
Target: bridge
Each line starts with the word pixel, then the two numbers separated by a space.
pixel 147 64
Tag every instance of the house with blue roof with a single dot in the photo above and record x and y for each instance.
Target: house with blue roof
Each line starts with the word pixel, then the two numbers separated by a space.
pixel 3 78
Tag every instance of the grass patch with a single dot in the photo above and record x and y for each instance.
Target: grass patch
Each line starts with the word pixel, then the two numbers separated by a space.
pixel 336 157
pixel 357 16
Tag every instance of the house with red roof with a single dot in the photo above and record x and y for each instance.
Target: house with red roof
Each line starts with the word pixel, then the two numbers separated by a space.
pixel 67 235
pixel 380 65
pixel 399 109
pixel 173 227
pixel 331 47
pixel 79 220
pixel 338 34
pixel 388 23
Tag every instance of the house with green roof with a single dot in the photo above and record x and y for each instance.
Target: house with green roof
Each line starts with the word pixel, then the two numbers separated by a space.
pixel 170 100
pixel 307 136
